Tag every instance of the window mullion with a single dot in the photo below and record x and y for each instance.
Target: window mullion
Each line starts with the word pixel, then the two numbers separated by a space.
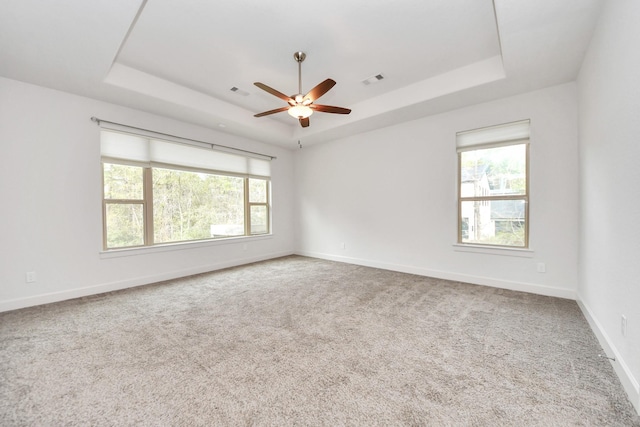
pixel 489 198
pixel 148 206
pixel 124 201
pixel 104 219
pixel 247 208
pixel 268 207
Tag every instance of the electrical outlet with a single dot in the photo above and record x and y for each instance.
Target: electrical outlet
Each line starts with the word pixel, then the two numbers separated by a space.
pixel 542 268
pixel 30 276
pixel 623 325
pixel 343 245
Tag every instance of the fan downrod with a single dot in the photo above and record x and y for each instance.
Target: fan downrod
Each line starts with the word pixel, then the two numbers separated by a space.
pixel 299 57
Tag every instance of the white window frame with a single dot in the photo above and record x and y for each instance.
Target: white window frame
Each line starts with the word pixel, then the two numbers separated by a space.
pixel 508 134
pixel 129 155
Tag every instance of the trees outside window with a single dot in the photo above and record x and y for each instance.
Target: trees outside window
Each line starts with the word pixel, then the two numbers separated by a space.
pixel 183 205
pixel 123 207
pixel 196 206
pixel 149 201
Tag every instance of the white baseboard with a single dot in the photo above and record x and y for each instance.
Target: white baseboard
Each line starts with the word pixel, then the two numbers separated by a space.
pixel 447 275
pixel 14 304
pixel 623 372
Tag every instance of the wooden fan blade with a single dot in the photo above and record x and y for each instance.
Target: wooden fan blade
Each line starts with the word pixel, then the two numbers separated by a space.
pixel 266 113
pixel 304 122
pixel 272 91
pixel 330 109
pixel 320 90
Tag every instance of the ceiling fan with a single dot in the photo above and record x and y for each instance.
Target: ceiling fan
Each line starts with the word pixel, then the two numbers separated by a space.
pixel 302 106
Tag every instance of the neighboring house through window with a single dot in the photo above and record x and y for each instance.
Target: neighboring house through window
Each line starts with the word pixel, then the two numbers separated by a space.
pixel 493 185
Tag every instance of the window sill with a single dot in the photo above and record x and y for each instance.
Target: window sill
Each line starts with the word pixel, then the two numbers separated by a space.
pixel 516 252
pixel 116 253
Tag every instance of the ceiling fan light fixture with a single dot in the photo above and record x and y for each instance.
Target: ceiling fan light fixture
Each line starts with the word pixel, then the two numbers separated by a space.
pixel 300 111
pixel 302 106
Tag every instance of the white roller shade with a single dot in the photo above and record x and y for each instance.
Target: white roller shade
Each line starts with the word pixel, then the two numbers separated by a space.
pixel 199 158
pixel 124 146
pixel 493 135
pixel 259 167
pixel 117 145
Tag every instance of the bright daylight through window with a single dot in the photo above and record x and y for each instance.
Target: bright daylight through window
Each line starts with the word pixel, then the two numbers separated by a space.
pixel 493 185
pixel 161 192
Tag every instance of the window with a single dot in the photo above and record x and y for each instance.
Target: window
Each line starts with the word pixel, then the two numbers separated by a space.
pixel 258 206
pixel 124 205
pixel 493 185
pixel 161 192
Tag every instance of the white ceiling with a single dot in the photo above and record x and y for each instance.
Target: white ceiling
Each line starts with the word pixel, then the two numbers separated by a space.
pixel 180 59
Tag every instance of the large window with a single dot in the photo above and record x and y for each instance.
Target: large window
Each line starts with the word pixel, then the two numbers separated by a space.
pixel 161 192
pixel 493 185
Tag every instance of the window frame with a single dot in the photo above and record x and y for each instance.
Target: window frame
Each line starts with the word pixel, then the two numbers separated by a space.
pixel 147 203
pixel 106 202
pixel 486 199
pixel 249 204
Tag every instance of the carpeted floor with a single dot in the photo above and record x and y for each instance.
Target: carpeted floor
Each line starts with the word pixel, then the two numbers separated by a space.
pixel 302 341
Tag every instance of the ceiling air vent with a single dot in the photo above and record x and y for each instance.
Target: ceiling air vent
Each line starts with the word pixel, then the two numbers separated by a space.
pixel 373 79
pixel 239 91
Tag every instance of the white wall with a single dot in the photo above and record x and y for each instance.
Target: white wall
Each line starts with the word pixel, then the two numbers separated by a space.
pixel 609 129
pixel 390 196
pixel 50 187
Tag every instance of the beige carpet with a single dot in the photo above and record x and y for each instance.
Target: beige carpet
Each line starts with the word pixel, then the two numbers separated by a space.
pixel 301 341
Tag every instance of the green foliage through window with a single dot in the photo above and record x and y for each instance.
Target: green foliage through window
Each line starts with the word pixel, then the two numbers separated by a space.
pixel 180 206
